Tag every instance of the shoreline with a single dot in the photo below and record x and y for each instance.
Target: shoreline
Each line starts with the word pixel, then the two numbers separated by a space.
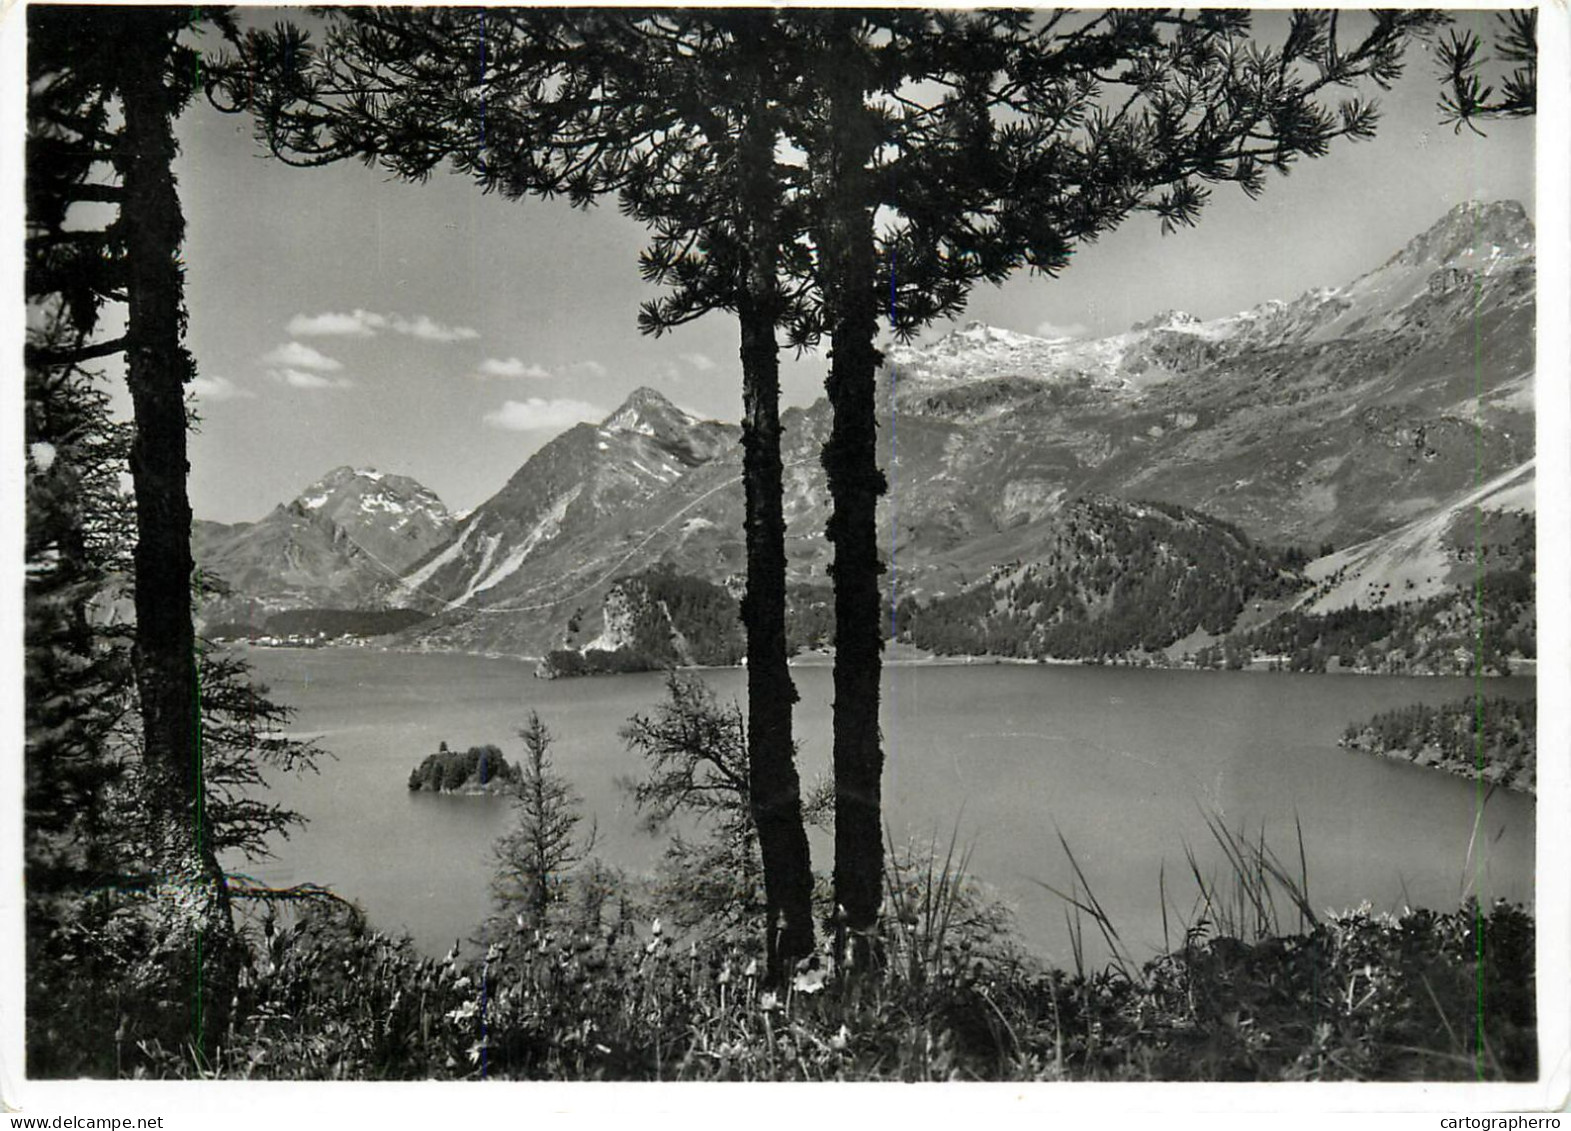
pixel 1522 668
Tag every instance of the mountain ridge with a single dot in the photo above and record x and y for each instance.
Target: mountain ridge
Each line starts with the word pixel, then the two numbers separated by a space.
pixel 1335 418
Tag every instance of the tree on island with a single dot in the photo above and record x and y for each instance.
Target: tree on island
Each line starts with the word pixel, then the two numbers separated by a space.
pixel 449 771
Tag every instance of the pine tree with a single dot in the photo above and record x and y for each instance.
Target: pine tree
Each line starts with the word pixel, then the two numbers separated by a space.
pixel 76 672
pixel 980 143
pixel 105 85
pixel 534 856
pixel 1045 131
pixel 1466 99
pixel 678 114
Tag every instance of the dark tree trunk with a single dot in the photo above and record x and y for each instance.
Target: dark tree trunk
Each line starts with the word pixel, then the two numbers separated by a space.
pixel 771 752
pixel 164 654
pixel 850 458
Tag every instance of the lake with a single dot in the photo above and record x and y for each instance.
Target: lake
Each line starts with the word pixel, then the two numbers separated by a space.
pixel 1124 763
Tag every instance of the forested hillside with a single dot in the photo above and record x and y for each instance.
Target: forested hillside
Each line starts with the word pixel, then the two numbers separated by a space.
pixel 1496 739
pixel 657 618
pixel 1116 579
pixel 1483 619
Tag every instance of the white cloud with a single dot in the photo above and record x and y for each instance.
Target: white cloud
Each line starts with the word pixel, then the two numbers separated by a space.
pixel 357 324
pixel 368 323
pixel 699 361
pixel 1054 330
pixel 217 389
pixel 510 367
pixel 301 379
pixel 428 329
pixel 298 355
pixel 540 415
pixel 592 368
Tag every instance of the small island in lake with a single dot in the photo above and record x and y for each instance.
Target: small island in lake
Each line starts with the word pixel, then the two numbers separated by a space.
pixel 480 769
pixel 1497 739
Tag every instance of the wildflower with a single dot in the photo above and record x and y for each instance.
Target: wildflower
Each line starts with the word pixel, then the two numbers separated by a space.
pixel 841 1039
pixel 464 1012
pixel 654 928
pixel 768 1002
pixel 463 983
pixel 808 982
pixel 752 969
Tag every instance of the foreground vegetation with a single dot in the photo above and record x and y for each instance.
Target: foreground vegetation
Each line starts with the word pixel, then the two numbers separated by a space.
pixel 615 995
pixel 583 973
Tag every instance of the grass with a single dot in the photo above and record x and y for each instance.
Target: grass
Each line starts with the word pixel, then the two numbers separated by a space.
pixel 1253 985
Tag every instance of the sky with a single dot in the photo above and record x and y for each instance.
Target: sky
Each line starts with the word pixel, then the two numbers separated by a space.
pixel 339 316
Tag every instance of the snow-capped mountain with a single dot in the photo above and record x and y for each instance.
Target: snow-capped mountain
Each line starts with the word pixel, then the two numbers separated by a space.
pixel 347 533
pixel 1335 416
pixel 1472 248
pixel 556 508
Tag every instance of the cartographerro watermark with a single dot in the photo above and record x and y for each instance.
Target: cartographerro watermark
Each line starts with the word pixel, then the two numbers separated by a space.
pixel 1499 1122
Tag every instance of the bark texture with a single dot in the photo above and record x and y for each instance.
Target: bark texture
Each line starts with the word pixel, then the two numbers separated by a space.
pixel 164 654
pixel 772 775
pixel 846 249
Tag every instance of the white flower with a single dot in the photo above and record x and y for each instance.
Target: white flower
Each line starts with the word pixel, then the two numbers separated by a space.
pixel 808 982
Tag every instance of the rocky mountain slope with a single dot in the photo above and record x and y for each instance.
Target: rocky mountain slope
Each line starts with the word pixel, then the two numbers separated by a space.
pixel 596 503
pixel 334 546
pixel 1330 418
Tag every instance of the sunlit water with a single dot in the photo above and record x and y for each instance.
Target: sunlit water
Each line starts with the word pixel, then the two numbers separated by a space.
pixel 1125 764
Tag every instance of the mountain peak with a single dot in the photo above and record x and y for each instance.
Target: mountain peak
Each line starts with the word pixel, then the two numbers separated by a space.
pixel 979 336
pixel 348 488
pixel 325 488
pixel 345 473
pixel 644 396
pixel 1474 231
pixel 1167 319
pixel 647 411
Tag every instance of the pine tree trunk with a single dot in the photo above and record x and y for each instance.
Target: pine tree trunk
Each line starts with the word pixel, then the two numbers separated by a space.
pixel 164 654
pixel 773 782
pixel 850 458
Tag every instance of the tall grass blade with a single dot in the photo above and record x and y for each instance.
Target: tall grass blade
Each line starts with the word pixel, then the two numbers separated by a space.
pixel 1161 895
